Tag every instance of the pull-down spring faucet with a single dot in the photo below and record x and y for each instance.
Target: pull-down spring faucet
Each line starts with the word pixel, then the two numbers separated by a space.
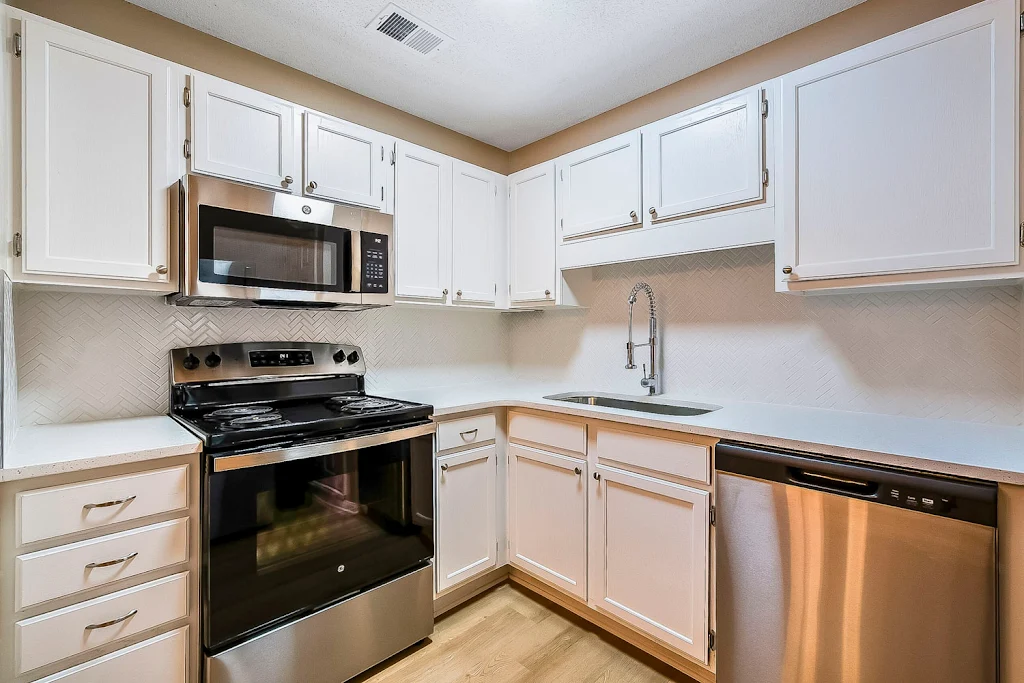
pixel 650 382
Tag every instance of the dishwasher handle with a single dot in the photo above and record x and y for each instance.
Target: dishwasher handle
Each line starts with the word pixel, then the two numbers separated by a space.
pixel 833 483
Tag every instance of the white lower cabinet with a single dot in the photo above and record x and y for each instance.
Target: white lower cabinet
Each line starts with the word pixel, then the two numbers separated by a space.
pixel 649 562
pixel 547 517
pixel 466 533
pixel 161 659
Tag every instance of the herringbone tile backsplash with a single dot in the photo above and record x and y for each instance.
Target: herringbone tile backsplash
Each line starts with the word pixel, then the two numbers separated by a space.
pixel 725 334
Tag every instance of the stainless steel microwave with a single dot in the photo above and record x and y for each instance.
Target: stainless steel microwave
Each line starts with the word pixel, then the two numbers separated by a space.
pixel 243 246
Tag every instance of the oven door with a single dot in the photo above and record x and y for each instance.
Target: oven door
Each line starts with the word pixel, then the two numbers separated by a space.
pixel 285 538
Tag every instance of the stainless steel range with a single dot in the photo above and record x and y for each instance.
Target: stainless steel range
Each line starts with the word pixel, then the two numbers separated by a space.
pixel 317 511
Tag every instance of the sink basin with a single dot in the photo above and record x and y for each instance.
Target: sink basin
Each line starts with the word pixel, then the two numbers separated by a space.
pixel 640 404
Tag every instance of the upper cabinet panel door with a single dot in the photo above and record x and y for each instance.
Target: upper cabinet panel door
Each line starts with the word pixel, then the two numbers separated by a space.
pixel 344 162
pixel 474 225
pixel 97 124
pixel 423 223
pixel 532 267
pixel 901 155
pixel 707 158
pixel 649 557
pixel 242 134
pixel 599 187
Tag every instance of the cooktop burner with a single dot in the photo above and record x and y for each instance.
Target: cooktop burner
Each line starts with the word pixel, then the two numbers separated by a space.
pixel 361 404
pixel 256 420
pixel 237 411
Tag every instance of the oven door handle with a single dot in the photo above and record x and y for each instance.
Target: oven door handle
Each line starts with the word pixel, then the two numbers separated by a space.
pixel 245 460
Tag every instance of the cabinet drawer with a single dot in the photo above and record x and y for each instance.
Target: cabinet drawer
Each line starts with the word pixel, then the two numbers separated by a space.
pixel 548 432
pixel 75 567
pixel 465 431
pixel 65 632
pixel 668 456
pixel 61 510
pixel 163 659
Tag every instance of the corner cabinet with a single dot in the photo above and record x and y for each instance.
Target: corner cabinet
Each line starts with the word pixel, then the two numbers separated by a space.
pixel 926 125
pixel 531 207
pixel 100 152
pixel 423 220
pixel 242 134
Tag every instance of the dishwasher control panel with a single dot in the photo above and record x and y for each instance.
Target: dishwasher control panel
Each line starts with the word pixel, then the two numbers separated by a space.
pixel 917 499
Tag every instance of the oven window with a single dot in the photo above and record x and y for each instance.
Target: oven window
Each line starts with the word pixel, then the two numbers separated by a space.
pixel 288 538
pixel 264 251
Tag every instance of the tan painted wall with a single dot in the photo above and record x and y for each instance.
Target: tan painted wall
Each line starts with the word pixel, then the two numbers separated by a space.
pixel 139 28
pixel 862 24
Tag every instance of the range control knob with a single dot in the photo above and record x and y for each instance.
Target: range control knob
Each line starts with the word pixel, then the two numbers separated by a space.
pixel 212 361
pixel 339 356
pixel 190 362
pixel 353 357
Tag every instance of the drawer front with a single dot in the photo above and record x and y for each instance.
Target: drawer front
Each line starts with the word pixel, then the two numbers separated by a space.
pixel 547 432
pixel 65 632
pixel 60 510
pixel 466 431
pixel 162 659
pixel 668 456
pixel 68 569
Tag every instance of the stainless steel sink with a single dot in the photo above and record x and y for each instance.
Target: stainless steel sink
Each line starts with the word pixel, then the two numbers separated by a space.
pixel 641 404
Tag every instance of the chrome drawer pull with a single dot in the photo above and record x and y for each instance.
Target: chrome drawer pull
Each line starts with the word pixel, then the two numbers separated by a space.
pixel 469 431
pixel 112 622
pixel 111 563
pixel 109 503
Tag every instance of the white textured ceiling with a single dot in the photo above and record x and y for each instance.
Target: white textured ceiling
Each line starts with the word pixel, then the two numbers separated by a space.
pixel 518 70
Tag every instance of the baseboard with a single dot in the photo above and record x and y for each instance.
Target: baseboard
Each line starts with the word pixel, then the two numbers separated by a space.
pixel 613 626
pixel 455 597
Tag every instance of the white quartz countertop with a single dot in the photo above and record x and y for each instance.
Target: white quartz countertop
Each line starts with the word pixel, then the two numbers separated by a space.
pixel 54 449
pixel 963 449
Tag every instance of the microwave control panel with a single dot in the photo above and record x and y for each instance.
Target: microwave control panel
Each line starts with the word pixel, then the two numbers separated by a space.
pixel 374 260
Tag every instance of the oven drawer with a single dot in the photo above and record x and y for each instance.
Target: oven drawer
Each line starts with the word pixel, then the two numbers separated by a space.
pixel 61 510
pixel 68 569
pixel 162 659
pixel 466 431
pixel 87 625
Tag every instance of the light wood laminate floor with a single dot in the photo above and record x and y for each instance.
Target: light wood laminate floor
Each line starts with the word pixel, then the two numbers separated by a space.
pixel 510 634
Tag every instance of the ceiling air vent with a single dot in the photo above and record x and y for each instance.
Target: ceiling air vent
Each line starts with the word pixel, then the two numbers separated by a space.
pixel 394 22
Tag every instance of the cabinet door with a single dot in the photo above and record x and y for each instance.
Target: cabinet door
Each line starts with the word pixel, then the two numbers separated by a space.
pixel 97 123
pixel 423 223
pixel 547 517
pixel 599 186
pixel 532 269
pixel 344 162
pixel 474 224
pixel 649 559
pixel 706 158
pixel 243 134
pixel 901 155
pixel 467 535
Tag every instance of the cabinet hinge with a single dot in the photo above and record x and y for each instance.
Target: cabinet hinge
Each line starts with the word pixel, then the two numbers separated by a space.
pixel 187 149
pixel 382 193
pixel 764 177
pixel 561 222
pixel 1021 22
pixel 392 157
pixel 16 43
pixel 17 244
pixel 1020 234
pixel 764 108
pixel 711 641
pixel 561 174
pixel 382 152
pixel 712 515
pixel 186 96
pixel 495 288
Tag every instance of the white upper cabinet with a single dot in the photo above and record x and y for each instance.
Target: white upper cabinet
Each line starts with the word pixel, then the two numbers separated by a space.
pixel 901 156
pixel 649 553
pixel 345 162
pixel 243 134
pixel 707 158
pixel 467 535
pixel 99 139
pixel 423 223
pixel 599 187
pixel 547 517
pixel 532 269
pixel 474 229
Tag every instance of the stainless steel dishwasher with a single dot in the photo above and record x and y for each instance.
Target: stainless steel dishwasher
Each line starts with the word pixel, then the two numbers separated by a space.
pixel 836 572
